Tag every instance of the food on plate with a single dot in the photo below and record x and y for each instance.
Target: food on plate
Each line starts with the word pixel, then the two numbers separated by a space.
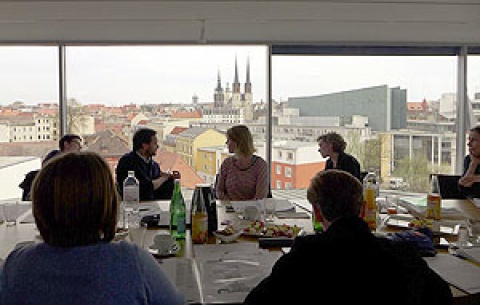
pixel 254 227
pixel 260 228
pixel 392 210
pixel 419 223
pixel 229 230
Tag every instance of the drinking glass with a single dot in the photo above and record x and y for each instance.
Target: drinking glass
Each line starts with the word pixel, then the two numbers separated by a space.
pixel 10 213
pixel 269 208
pixel 137 231
pixel 474 230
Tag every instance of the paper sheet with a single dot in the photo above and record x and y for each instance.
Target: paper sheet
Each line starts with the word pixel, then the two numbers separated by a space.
pixel 456 271
pixel 228 272
pixel 472 253
pixel 182 273
pixel 419 205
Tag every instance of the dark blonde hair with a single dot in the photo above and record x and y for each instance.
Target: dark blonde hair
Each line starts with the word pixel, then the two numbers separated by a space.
pixel 337 141
pixel 74 200
pixel 242 136
pixel 337 193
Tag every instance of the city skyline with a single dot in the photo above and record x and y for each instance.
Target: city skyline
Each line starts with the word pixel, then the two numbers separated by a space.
pixel 120 75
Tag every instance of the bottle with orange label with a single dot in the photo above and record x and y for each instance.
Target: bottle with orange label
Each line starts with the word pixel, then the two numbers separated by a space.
pixel 369 196
pixel 434 200
pixel 199 217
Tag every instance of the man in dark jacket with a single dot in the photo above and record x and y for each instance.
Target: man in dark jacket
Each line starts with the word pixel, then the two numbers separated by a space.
pixel 347 264
pixel 154 184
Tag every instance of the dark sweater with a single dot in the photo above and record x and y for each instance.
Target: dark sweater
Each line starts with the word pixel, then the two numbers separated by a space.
pixel 348 265
pixel 346 162
pixel 145 172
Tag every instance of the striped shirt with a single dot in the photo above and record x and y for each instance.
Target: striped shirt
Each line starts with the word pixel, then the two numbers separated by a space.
pixel 236 183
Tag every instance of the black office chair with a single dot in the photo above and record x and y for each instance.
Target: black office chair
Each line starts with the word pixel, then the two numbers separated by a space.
pixel 449 188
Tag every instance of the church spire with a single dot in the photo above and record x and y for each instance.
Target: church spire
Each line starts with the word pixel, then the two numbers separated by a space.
pixel 248 84
pixel 236 83
pixel 218 96
pixel 219 81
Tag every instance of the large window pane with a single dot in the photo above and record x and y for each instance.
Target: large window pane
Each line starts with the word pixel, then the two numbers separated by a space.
pixel 29 126
pixel 187 93
pixel 397 114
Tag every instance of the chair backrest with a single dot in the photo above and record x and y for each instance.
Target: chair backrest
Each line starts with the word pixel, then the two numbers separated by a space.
pixel 449 186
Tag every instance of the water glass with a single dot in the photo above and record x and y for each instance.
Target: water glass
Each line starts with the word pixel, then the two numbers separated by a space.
pixel 474 230
pixel 269 208
pixel 137 231
pixel 10 213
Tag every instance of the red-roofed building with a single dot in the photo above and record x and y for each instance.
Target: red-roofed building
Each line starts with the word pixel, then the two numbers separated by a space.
pixel 417 110
pixel 197 114
pixel 173 161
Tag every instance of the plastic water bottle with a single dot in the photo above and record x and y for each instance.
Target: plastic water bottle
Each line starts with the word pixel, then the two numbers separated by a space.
pixel 131 196
pixel 178 222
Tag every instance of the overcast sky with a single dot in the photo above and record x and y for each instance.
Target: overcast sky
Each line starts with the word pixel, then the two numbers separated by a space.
pixel 123 75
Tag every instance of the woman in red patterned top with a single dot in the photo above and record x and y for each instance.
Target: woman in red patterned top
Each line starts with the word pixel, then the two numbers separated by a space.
pixel 243 176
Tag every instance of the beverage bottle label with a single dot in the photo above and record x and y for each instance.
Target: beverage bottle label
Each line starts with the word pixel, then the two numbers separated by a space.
pixel 370 207
pixel 434 206
pixel 199 228
pixel 434 200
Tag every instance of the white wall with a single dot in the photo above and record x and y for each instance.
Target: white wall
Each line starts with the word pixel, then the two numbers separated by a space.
pixel 12 172
pixel 360 21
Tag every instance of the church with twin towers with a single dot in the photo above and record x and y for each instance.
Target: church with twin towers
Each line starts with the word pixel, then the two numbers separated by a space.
pixel 232 102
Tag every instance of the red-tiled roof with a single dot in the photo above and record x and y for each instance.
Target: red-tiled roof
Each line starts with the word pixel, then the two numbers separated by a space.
pixel 187 114
pixel 178 129
pixel 173 161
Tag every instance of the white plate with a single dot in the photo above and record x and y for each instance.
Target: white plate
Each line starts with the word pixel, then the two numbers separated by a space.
pixel 227 238
pixel 174 250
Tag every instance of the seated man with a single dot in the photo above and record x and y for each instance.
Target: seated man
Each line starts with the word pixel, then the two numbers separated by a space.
pixel 154 184
pixel 67 143
pixel 346 263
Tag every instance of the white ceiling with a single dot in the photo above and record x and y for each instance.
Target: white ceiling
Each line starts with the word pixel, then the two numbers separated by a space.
pixel 428 22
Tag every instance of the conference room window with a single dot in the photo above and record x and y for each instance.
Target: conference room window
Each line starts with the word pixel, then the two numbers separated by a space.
pixel 190 93
pixel 373 101
pixel 29 102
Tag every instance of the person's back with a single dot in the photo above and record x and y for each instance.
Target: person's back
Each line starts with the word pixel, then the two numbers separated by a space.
pixel 75 206
pixel 105 273
pixel 346 265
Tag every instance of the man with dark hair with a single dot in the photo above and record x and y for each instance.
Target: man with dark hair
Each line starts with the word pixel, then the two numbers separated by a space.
pixel 67 143
pixel 154 184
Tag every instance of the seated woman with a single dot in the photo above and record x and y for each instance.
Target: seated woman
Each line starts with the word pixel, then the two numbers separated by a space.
pixel 75 206
pixel 242 176
pixel 470 182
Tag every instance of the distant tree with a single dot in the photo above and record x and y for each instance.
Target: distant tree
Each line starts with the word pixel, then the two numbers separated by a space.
pixel 415 171
pixel 76 118
pixel 355 146
pixel 367 152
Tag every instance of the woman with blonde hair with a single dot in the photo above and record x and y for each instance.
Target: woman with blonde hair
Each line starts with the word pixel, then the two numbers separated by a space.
pixel 75 205
pixel 242 176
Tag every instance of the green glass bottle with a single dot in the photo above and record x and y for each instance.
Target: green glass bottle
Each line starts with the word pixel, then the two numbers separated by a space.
pixel 177 213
